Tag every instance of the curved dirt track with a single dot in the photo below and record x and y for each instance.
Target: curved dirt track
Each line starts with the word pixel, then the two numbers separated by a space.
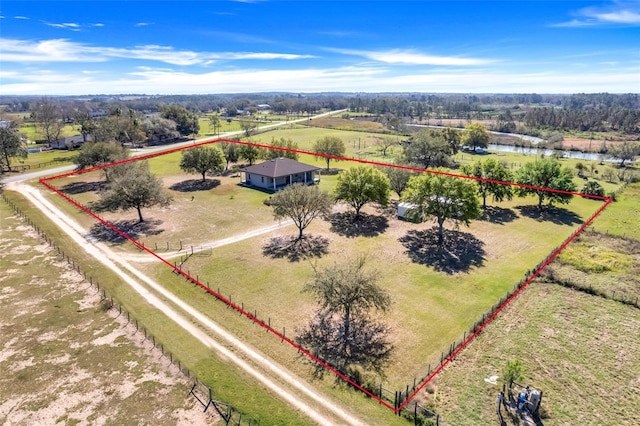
pixel 287 386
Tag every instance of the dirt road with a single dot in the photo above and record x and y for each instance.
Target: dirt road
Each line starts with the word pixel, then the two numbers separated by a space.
pixel 290 388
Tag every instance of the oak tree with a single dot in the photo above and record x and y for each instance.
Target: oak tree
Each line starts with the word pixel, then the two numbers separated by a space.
pixel 203 160
pixel 489 173
pixel 329 147
pixel 443 197
pixel 537 177
pixel 133 186
pixel 343 331
pixel 361 185
pixel 10 147
pixel 302 204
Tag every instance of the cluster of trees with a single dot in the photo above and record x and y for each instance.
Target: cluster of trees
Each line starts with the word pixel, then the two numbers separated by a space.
pixel 234 152
pixel 434 147
pixel 598 119
pixel 120 123
pixel 585 112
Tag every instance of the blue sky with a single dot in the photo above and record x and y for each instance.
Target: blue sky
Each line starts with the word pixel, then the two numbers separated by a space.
pixel 183 47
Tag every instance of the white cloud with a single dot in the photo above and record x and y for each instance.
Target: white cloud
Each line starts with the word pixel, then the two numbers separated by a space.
pixel 345 79
pixel 63 50
pixel 404 57
pixel 143 24
pixel 619 17
pixel 619 13
pixel 21 17
pixel 65 25
pixel 56 50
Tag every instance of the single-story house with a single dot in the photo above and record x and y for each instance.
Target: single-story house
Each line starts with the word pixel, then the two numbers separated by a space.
pixel 278 173
pixel 69 142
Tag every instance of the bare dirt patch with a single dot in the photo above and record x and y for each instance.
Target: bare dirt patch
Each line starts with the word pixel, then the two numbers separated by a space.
pixel 65 360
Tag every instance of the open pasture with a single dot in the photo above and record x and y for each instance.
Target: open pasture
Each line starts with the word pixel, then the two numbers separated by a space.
pixel 437 296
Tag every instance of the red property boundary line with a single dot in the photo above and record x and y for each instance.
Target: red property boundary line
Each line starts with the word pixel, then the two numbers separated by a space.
pixel 229 303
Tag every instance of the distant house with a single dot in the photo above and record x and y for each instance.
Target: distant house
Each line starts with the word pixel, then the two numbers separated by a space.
pixel 99 113
pixel 69 142
pixel 278 173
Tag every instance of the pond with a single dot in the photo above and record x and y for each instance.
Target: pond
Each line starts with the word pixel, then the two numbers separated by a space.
pixel 589 156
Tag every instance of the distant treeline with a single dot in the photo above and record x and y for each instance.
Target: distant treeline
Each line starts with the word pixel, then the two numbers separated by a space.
pixel 582 112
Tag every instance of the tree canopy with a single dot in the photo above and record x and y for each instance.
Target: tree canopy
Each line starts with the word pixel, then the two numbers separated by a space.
pixel 428 148
pixel 302 204
pixel 94 154
pixel 231 152
pixel 398 178
pixel 546 173
pixel 491 170
pixel 250 153
pixel 133 186
pixel 627 151
pixel 592 187
pixel 10 147
pixel 186 122
pixel 202 159
pixel 360 185
pixel 330 147
pixel 288 149
pixel 443 197
pixel 48 119
pixel 342 331
pixel 158 129
pixel 476 135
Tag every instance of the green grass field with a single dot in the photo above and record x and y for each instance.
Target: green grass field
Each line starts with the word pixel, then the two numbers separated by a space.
pixel 577 348
pixel 431 308
pixel 423 296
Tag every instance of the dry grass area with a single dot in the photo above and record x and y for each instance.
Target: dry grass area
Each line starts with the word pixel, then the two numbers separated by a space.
pixel 603 263
pixel 587 145
pixel 64 359
pixel 345 124
pixel 580 350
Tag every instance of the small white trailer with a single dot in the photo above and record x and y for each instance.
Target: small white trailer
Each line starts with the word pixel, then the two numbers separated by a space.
pixel 409 211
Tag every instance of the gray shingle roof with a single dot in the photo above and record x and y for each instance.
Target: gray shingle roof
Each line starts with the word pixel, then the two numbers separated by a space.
pixel 279 167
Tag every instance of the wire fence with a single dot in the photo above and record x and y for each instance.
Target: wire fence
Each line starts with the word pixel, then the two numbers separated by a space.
pixel 199 390
pixel 447 355
pixel 400 398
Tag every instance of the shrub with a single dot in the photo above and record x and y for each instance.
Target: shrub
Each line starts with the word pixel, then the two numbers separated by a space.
pixel 592 188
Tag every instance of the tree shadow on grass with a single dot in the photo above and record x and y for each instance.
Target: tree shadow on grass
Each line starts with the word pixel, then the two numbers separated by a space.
pixel 82 187
pixel 296 249
pixel 192 185
pixel 133 228
pixel 366 225
pixel 459 252
pixel 557 215
pixel 498 215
